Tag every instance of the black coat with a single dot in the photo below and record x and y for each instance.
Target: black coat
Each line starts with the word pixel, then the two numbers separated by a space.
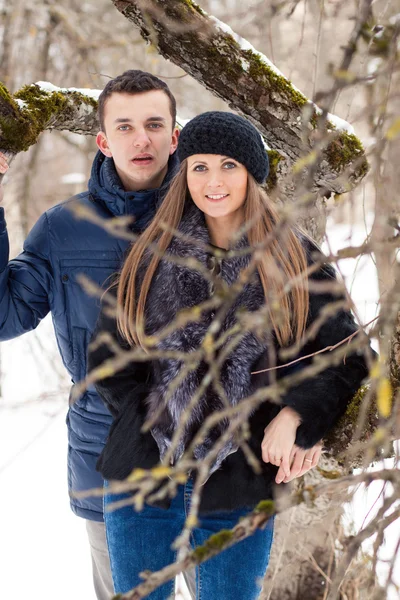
pixel 135 393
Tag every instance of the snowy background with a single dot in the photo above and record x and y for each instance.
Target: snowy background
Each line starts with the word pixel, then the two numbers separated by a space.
pixel 43 548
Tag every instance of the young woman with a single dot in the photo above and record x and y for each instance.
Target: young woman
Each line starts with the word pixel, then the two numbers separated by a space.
pixel 215 204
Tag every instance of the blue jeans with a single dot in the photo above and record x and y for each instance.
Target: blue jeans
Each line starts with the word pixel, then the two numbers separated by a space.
pixel 142 540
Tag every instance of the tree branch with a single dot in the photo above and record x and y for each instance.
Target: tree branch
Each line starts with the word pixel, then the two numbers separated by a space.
pixel 41 106
pixel 233 70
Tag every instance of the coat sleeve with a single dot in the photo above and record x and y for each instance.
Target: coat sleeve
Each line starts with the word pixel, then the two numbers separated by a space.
pixel 26 282
pixel 126 385
pixel 321 400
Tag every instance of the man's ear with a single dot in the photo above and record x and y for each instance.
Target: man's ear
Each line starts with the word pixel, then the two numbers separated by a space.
pixel 102 144
pixel 174 140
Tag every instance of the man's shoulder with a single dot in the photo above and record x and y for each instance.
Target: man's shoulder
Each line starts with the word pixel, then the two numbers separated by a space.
pixel 69 221
pixel 74 209
pixel 66 206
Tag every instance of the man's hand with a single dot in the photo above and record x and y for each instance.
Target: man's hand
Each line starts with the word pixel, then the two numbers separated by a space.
pixel 278 442
pixel 301 461
pixel 3 169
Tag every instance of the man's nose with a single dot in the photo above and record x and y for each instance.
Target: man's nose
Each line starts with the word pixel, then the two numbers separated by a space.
pixel 141 138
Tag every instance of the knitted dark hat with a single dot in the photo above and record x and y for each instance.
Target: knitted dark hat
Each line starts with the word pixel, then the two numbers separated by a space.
pixel 227 134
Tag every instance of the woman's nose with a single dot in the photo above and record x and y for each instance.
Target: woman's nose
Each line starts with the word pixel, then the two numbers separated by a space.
pixel 214 180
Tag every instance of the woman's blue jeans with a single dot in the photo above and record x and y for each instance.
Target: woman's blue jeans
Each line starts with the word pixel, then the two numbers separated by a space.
pixel 138 541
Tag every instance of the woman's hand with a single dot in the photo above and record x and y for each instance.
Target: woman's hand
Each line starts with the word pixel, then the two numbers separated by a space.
pixel 301 461
pixel 278 442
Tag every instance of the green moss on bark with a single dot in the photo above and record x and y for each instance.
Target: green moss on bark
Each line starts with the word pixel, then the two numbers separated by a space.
pixel 274 159
pixel 266 506
pixel 17 131
pixel 6 96
pixel 40 104
pixel 338 439
pixel 21 129
pixel 194 6
pixel 344 150
pixel 353 408
pixel 261 72
pixel 216 542
pixel 182 11
pixel 224 62
pixel 329 474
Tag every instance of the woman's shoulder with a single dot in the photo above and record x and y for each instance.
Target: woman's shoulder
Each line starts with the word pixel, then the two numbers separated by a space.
pixel 315 256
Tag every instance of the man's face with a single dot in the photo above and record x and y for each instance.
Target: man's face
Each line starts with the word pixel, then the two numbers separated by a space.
pixel 140 136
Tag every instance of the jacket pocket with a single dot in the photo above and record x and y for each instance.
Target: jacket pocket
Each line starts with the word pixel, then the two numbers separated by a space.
pixel 82 309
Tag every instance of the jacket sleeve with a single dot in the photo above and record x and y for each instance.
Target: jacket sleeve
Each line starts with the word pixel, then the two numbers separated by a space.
pixel 127 384
pixel 321 400
pixel 26 282
pixel 124 393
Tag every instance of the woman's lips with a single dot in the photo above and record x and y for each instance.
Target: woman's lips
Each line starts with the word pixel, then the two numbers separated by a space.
pixel 216 197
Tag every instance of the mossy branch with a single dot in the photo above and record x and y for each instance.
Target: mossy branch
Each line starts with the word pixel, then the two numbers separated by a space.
pixel 251 85
pixel 33 109
pixel 339 440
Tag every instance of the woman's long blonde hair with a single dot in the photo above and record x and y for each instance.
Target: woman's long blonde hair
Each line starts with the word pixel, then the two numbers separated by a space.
pixel 282 261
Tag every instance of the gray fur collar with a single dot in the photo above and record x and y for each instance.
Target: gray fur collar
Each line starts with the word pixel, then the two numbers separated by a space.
pixel 176 287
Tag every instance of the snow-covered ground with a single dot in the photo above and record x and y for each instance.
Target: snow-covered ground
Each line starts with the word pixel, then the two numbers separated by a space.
pixel 43 549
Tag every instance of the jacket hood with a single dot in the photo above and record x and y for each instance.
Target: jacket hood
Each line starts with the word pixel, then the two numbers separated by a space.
pixel 105 186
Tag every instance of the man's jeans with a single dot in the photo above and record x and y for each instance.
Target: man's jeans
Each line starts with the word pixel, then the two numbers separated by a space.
pixel 138 541
pixel 102 579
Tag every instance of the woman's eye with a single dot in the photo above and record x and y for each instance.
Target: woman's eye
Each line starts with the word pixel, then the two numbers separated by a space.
pixel 229 165
pixel 199 168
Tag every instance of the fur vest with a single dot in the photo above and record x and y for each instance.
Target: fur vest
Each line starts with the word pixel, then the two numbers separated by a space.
pixel 177 287
pixel 138 392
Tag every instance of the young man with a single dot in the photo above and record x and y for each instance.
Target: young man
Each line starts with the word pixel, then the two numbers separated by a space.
pixel 130 175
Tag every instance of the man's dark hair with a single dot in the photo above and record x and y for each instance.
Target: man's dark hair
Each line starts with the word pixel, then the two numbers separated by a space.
pixel 134 82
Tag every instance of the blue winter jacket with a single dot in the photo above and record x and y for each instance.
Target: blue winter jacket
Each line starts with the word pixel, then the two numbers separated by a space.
pixel 43 278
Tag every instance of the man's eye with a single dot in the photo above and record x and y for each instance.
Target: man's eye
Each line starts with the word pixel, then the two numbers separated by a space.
pixel 155 126
pixel 123 128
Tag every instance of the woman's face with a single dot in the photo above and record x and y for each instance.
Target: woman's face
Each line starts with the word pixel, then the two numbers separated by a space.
pixel 217 184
